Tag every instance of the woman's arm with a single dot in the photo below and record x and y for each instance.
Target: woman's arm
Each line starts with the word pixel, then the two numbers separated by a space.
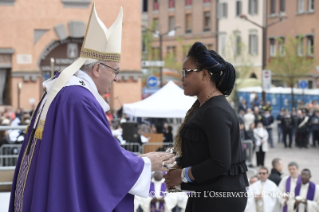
pixel 217 128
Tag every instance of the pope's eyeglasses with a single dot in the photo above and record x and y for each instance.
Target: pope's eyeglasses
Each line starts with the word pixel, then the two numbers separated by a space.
pixel 116 71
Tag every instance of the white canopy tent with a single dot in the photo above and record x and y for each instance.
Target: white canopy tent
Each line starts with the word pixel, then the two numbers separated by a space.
pixel 168 102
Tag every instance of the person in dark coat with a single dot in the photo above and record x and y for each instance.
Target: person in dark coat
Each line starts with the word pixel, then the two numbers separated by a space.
pixel 279 125
pixel 302 130
pixel 267 120
pixel 276 170
pixel 287 124
pixel 243 106
pixel 241 119
pixel 315 128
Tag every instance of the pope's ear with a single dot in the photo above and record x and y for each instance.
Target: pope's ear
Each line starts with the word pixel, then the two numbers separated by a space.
pixel 96 70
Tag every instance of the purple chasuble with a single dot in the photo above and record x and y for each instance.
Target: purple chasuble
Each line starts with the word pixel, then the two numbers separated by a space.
pixel 310 193
pixel 285 209
pixel 161 207
pixel 78 165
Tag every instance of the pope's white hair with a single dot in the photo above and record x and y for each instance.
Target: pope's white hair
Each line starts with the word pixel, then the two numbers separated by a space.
pixel 88 65
pixel 89 61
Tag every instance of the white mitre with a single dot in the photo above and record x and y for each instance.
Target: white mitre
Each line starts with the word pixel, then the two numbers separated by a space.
pixel 99 44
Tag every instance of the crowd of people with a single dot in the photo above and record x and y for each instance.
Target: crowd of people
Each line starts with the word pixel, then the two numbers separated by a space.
pixel 9 117
pixel 159 199
pixel 299 126
pixel 269 192
pixel 296 128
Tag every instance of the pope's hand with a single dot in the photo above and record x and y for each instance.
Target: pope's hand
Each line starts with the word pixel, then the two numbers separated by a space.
pixel 158 159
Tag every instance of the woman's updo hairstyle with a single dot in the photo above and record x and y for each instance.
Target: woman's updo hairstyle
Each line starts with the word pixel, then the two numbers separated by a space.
pixel 222 73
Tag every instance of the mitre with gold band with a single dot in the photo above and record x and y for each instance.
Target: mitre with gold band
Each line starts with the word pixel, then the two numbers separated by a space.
pixel 99 44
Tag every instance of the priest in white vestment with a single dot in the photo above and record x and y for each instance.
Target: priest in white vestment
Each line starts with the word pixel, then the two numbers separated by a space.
pixel 158 200
pixel 250 205
pixel 306 195
pixel 262 194
pixel 182 198
pixel 287 186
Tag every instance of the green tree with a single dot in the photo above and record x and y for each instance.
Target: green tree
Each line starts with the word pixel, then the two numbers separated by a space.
pixel 152 53
pixel 236 53
pixel 149 52
pixel 290 64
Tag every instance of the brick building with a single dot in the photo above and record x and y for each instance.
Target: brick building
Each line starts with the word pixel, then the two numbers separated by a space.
pixel 239 41
pixel 193 20
pixel 302 20
pixel 32 32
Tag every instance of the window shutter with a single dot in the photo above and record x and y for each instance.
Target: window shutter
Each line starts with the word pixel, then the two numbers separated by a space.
pixel 225 10
pixel 256 44
pixel 250 44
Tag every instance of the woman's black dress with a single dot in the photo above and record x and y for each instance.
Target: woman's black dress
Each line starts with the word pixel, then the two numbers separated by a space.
pixel 211 146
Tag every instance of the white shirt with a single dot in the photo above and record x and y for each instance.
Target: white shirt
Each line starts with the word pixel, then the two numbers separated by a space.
pixel 261 135
pixel 249 118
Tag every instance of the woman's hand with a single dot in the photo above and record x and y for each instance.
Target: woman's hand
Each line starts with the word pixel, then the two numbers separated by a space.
pixel 173 178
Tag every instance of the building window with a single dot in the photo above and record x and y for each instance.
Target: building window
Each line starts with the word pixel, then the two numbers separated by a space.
pixel 206 1
pixel 273 7
pixel 311 5
pixel 253 7
pixel 171 52
pixel 144 47
pixel 206 21
pixel 66 3
pixel 188 28
pixel 310 84
pixel 155 5
pixel 222 44
pixel 310 45
pixel 185 51
pixel 253 42
pixel 282 46
pixel 155 22
pixel 301 4
pixel 282 6
pixel 171 23
pixel 188 2
pixel 238 8
pixel 300 46
pixel 144 6
pixel 272 49
pixel 237 43
pixel 155 53
pixel 171 3
pixel 222 10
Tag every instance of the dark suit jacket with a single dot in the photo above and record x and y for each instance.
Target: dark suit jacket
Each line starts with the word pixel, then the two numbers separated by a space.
pixel 275 176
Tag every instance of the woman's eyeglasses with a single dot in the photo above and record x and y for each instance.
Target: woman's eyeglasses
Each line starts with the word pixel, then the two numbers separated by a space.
pixel 116 71
pixel 184 71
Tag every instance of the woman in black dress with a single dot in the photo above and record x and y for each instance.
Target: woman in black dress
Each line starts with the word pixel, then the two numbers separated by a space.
pixel 208 141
